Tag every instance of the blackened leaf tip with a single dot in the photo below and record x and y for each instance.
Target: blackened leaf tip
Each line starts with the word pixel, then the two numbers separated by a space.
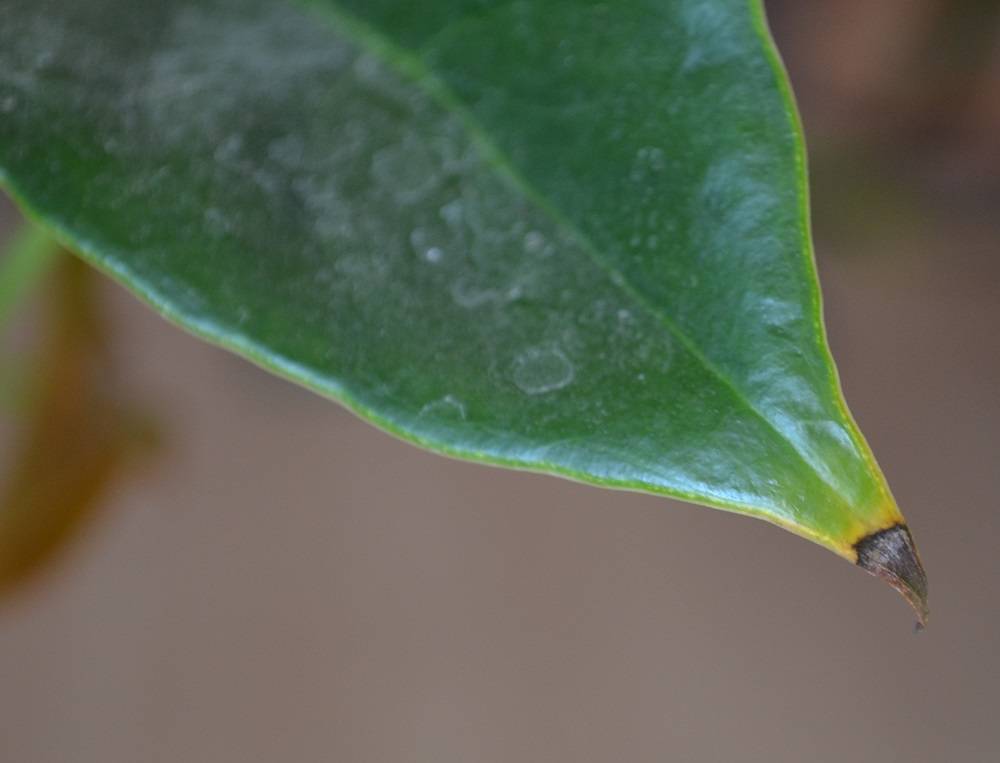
pixel 891 555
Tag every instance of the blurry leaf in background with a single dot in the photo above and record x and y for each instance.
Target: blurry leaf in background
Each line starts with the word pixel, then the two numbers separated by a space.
pixel 75 438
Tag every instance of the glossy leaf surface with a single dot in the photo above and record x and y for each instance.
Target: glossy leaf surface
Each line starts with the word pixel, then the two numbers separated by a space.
pixel 566 236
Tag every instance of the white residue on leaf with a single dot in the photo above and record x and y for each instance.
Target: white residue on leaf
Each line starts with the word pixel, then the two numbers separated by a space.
pixel 649 161
pixel 229 148
pixel 447 406
pixel 538 370
pixel 427 245
pixel 407 170
pixel 453 213
pixel 470 297
pixel 534 242
pixel 195 83
pixel 713 35
pixel 216 221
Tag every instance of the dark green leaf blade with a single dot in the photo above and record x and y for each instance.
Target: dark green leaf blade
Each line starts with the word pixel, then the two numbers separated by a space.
pixel 564 236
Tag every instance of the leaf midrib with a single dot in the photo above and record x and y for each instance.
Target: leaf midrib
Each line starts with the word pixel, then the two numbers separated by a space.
pixel 413 69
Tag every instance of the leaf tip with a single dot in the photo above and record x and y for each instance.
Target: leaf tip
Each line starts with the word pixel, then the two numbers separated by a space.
pixel 892 555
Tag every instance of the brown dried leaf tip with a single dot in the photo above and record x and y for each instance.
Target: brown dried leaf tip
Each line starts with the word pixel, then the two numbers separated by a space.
pixel 891 555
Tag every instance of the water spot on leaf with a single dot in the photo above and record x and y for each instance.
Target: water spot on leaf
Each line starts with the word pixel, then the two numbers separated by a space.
pixel 407 169
pixel 229 149
pixel 470 296
pixel 216 222
pixel 534 242
pixel 447 406
pixel 538 370
pixel 649 161
pixel 427 245
pixel 515 292
pixel 453 213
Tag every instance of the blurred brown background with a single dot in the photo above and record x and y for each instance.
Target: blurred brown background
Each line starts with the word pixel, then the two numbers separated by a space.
pixel 284 582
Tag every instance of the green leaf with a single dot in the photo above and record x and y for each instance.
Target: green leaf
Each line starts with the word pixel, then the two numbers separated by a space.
pixel 565 236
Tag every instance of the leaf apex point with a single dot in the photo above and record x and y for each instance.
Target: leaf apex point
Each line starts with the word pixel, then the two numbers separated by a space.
pixel 892 555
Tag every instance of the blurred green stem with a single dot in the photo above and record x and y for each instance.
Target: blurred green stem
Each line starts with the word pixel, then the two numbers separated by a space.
pixel 23 263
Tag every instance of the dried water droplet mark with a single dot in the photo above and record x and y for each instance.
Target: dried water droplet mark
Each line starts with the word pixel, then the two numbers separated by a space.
pixel 44 59
pixel 649 161
pixel 448 406
pixel 514 293
pixel 470 296
pixel 332 215
pixel 426 245
pixel 407 170
pixel 453 213
pixel 8 104
pixel 217 222
pixel 653 157
pixel 229 149
pixel 534 242
pixel 538 370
